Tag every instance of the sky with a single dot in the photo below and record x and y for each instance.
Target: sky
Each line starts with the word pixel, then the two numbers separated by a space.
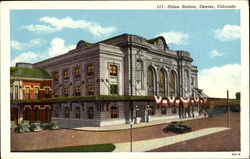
pixel 211 36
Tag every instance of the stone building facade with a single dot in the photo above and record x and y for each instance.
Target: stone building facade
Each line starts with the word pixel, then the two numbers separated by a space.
pixel 125 65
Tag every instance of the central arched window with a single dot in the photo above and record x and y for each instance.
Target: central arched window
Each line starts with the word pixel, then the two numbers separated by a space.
pixel 150 81
pixel 172 84
pixel 162 82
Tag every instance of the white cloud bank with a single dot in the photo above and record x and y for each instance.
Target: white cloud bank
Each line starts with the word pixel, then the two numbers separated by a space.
pixel 217 80
pixel 29 57
pixel 215 53
pixel 178 38
pixel 21 46
pixel 55 25
pixel 57 47
pixel 227 33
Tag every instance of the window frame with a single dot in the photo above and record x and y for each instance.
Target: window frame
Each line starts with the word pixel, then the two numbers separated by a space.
pixel 77 72
pixel 77 90
pixel 114 91
pixel 56 76
pixel 89 90
pixel 66 74
pixel 66 93
pixel 90 70
pixel 113 70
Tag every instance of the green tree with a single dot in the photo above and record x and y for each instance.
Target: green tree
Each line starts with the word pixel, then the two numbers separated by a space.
pixel 237 95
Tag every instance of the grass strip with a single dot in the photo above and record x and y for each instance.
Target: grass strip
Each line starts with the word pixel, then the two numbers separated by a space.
pixel 85 148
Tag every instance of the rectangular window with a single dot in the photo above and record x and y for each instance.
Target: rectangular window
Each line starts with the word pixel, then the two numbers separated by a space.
pixel 90 89
pixel 27 93
pixel 56 76
pixel 113 89
pixel 113 70
pixel 66 112
pixel 66 92
pixel 77 91
pixel 77 72
pixel 36 90
pixel 56 93
pixel 46 92
pixel 90 70
pixel 66 74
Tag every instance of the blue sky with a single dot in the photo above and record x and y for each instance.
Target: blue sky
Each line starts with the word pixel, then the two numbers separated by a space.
pixel 211 36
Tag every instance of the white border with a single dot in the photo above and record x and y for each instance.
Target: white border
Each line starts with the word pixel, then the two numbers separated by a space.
pixel 150 5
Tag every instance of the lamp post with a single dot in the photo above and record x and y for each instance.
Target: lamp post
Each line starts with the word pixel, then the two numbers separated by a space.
pixel 131 125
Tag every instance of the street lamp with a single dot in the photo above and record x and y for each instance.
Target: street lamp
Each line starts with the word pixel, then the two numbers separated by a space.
pixel 131 125
pixel 148 108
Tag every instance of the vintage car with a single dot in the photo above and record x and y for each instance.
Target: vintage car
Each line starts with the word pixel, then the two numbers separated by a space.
pixel 177 127
pixel 23 127
pixel 35 127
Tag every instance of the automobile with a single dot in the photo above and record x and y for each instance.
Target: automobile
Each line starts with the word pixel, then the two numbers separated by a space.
pixel 22 128
pixel 35 127
pixel 177 127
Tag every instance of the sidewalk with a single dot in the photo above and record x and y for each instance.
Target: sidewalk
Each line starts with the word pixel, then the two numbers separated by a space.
pixel 146 145
pixel 127 126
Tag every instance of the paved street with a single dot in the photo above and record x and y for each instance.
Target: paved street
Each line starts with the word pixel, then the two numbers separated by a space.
pixel 228 139
pixel 146 145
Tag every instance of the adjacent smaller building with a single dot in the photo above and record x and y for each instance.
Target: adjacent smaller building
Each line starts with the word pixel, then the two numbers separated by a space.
pixel 28 84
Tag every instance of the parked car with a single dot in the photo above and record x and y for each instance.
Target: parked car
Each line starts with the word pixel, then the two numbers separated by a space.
pixel 35 127
pixel 22 128
pixel 177 127
pixel 50 126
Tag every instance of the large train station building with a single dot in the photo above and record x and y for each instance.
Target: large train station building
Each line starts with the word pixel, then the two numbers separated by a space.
pixel 116 68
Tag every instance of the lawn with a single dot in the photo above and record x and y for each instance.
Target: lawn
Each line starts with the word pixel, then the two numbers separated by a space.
pixel 86 148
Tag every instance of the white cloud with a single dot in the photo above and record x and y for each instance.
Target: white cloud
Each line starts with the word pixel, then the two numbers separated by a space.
pixel 25 57
pixel 215 53
pixel 217 80
pixel 21 46
pixel 57 47
pixel 55 25
pixel 178 38
pixel 227 33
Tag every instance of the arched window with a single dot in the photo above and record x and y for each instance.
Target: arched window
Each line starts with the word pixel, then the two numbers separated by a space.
pixel 186 82
pixel 36 113
pixel 162 82
pixel 172 84
pixel 47 114
pixel 150 81
pixel 27 113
